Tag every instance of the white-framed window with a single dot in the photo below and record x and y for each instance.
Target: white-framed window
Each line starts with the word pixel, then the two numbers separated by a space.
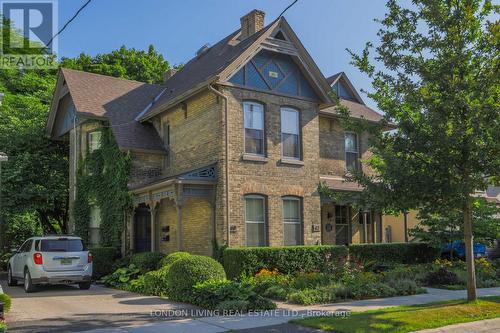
pixel 95 226
pixel 254 128
pixel 94 140
pixel 292 221
pixel 255 220
pixel 290 133
pixel 351 151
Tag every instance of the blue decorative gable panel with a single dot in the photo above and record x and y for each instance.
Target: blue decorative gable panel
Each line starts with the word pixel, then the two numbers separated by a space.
pixel 274 72
pixel 342 91
pixel 207 173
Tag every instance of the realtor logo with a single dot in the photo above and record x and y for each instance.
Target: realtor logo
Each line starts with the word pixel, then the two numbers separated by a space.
pixel 29 40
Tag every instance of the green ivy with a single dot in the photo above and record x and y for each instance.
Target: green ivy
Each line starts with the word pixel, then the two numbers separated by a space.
pixel 102 180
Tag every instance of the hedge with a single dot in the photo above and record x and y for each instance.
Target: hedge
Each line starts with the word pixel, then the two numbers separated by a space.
pixel 147 261
pixel 286 259
pixel 395 253
pixel 103 261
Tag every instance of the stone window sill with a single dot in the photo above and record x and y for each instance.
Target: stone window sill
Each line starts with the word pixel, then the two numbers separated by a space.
pixel 291 161
pixel 254 158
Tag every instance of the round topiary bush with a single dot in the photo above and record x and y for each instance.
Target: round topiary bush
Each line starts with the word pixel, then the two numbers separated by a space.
pixel 173 257
pixel 188 271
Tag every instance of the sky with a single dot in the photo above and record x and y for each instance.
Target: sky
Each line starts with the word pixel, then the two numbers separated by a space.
pixel 178 29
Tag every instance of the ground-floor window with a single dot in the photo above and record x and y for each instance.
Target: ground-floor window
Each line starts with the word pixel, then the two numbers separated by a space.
pixel 95 226
pixel 292 221
pixel 255 220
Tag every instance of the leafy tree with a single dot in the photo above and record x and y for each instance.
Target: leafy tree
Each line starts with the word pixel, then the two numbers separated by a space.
pixel 436 74
pixel 447 225
pixel 126 63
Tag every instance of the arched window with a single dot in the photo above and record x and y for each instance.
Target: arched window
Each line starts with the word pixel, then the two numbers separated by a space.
pixel 253 114
pixel 255 220
pixel 292 221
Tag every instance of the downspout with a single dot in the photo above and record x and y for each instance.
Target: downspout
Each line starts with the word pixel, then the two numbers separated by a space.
pixel 226 167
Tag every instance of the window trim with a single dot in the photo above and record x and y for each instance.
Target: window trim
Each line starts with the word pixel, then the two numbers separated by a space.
pixel 89 134
pixel 299 132
pixel 264 145
pixel 264 204
pixel 352 152
pixel 301 217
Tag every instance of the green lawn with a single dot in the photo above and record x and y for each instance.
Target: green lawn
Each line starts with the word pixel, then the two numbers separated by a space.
pixel 409 318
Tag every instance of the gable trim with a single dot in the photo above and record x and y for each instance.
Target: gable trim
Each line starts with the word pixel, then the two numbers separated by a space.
pixel 342 76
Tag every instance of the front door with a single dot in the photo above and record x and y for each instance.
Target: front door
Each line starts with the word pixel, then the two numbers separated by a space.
pixel 142 230
pixel 341 225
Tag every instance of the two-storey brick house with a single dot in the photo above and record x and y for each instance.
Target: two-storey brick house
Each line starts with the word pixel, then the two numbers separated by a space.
pixel 229 149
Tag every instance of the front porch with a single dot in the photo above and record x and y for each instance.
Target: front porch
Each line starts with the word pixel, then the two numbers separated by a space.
pixel 174 214
pixel 342 224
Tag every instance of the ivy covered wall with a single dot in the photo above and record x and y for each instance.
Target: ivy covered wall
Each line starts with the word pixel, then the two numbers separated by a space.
pixel 102 181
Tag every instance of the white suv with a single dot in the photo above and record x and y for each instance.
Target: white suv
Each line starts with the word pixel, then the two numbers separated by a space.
pixel 51 260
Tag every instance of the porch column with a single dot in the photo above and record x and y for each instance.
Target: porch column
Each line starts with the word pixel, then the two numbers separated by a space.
pixel 405 220
pixel 365 227
pixel 152 211
pixel 178 204
pixel 381 217
pixel 375 229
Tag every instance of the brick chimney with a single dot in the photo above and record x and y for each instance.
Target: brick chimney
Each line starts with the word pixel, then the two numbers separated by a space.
pixel 168 74
pixel 251 23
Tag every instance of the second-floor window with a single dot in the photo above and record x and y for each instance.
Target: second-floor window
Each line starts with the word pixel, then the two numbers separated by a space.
pixel 351 151
pixel 254 128
pixel 94 141
pixel 290 133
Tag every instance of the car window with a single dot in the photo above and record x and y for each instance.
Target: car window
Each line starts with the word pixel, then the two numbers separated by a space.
pixel 61 245
pixel 27 246
pixel 37 245
pixel 22 247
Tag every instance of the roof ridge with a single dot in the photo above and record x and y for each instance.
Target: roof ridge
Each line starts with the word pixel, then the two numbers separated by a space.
pixel 109 76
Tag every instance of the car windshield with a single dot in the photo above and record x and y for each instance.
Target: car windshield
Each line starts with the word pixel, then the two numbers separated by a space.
pixel 62 245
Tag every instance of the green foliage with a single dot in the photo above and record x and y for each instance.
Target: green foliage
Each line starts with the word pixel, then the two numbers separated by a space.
pixel 403 253
pixel 173 257
pixel 186 272
pixel 7 302
pixel 442 276
pixel 126 63
pixel 308 296
pixel 103 257
pixel 121 276
pixel 147 261
pixel 156 282
pixel 286 259
pixel 102 180
pixel 446 225
pixel 224 295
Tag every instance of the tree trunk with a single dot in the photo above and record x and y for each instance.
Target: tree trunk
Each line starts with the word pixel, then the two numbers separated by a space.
pixel 469 252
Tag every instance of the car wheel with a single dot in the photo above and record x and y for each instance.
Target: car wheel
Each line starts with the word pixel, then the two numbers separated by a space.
pixel 84 285
pixel 10 280
pixel 28 284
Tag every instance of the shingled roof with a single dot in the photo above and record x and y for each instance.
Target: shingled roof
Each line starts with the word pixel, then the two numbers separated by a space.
pixel 118 101
pixel 357 110
pixel 203 68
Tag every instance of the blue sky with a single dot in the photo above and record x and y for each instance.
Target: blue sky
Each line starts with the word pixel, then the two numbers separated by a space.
pixel 178 28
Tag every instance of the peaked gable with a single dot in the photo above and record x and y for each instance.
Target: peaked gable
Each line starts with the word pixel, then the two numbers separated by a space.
pixel 343 87
pixel 276 72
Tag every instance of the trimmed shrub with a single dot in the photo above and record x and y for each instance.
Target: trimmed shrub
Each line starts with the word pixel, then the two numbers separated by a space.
pixel 156 282
pixel 287 259
pixel 173 257
pixel 186 272
pixel 5 299
pixel 395 253
pixel 146 261
pixel 103 259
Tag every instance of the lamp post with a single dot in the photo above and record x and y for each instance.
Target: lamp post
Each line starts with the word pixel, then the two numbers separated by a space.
pixel 3 158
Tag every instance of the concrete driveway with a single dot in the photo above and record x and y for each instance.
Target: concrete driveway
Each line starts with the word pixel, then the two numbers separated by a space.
pixel 68 309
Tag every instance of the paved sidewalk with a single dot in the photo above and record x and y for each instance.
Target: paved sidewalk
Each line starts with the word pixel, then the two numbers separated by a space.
pixel 484 326
pixel 287 312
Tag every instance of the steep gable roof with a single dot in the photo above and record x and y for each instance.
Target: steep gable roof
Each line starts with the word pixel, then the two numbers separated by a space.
pixel 223 59
pixel 116 100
